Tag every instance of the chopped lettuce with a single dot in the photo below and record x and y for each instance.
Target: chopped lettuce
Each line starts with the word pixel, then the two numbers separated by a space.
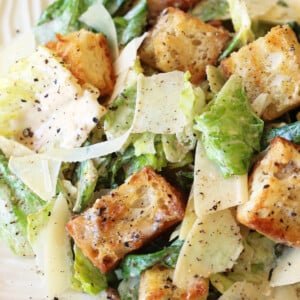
pixel 208 10
pixel 17 201
pixel 231 131
pixel 120 113
pixel 88 176
pixel 131 25
pixel 87 277
pixel 62 16
pixel 134 264
pixel 290 132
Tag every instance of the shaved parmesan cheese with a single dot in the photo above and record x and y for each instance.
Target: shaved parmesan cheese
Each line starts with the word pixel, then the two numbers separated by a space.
pixel 125 61
pixel 99 19
pixel 213 245
pixel 243 290
pixel 287 270
pixel 258 8
pixel 158 103
pixel 51 103
pixel 213 192
pixel 281 13
pixel 39 174
pixel 58 257
pixel 128 55
pixel 13 148
pixel 189 217
pixel 84 153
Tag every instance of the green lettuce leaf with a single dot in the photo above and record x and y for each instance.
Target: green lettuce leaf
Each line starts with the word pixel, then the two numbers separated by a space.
pixel 17 201
pixel 208 10
pixel 62 16
pixel 290 132
pixel 131 25
pixel 231 131
pixel 87 277
pixel 134 264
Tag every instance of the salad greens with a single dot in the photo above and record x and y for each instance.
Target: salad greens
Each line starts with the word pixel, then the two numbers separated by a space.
pixel 87 277
pixel 216 112
pixel 290 132
pixel 17 202
pixel 64 16
pixel 231 131
pixel 134 264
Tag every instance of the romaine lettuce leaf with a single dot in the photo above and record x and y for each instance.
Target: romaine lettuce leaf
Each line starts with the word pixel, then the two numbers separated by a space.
pixel 17 201
pixel 131 25
pixel 87 277
pixel 134 264
pixel 231 131
pixel 290 132
pixel 62 16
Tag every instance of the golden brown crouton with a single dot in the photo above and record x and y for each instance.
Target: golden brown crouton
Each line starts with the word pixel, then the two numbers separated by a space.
pixel 181 42
pixel 271 65
pixel 126 219
pixel 157 283
pixel 88 57
pixel 274 194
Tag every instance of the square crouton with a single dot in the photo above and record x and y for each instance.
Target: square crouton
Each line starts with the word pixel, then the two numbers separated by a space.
pixel 273 208
pixel 182 42
pixel 126 219
pixel 88 57
pixel 270 65
pixel 157 283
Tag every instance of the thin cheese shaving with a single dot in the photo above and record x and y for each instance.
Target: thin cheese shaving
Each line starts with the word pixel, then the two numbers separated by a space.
pixel 213 192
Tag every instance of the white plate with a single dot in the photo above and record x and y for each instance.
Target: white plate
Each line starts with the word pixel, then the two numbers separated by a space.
pixel 18 277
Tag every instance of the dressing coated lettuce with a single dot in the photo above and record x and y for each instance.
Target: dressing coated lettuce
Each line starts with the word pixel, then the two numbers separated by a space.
pixel 87 277
pixel 231 131
pixel 17 201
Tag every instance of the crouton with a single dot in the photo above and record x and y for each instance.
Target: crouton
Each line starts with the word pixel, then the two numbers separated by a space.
pixel 157 283
pixel 126 219
pixel 182 42
pixel 271 65
pixel 87 56
pixel 273 208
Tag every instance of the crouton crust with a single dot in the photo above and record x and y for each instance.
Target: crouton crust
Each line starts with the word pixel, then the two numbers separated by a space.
pixel 126 219
pixel 271 65
pixel 88 57
pixel 274 194
pixel 157 283
pixel 182 42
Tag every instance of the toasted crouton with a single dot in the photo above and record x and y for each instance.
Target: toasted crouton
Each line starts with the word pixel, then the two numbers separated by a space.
pixel 182 42
pixel 88 57
pixel 126 219
pixel 270 65
pixel 274 194
pixel 157 283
